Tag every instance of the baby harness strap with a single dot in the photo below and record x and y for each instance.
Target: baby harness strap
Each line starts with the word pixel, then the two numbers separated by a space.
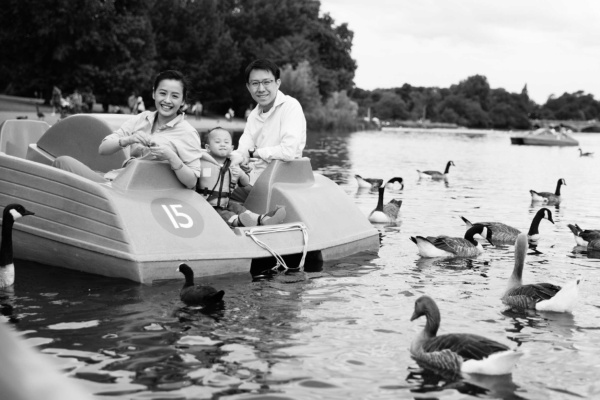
pixel 220 181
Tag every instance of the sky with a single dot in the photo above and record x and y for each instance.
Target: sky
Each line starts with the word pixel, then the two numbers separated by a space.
pixel 553 46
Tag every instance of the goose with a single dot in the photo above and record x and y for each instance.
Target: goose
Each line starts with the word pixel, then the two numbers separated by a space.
pixel 547 197
pixel 457 352
pixel 436 174
pixel 385 214
pixel 594 245
pixel 11 213
pixel 197 295
pixel 507 234
pixel 396 183
pixel 445 246
pixel 585 153
pixel 370 183
pixel 583 237
pixel 538 296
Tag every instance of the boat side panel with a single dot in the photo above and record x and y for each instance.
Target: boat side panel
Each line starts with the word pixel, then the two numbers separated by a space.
pixel 68 208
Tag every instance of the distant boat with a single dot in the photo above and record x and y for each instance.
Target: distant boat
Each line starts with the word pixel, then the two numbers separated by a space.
pixel 545 137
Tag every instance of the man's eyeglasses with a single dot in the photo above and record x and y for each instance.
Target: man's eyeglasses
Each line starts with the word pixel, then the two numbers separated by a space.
pixel 266 83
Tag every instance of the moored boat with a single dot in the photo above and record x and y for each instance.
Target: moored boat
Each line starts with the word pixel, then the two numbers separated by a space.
pixel 545 137
pixel 142 224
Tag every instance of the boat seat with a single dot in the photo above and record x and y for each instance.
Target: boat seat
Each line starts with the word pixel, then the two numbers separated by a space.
pixel 79 136
pixel 298 171
pixel 17 134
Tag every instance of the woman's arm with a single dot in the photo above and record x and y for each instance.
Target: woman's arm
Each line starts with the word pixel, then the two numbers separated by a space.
pixel 184 173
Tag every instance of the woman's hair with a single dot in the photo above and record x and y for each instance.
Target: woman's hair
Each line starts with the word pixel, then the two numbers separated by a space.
pixel 174 75
pixel 264 64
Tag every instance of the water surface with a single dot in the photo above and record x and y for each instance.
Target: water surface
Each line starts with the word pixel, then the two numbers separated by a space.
pixel 345 333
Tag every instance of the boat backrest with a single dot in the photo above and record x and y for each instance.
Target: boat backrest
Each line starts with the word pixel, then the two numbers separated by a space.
pixel 79 136
pixel 298 172
pixel 17 134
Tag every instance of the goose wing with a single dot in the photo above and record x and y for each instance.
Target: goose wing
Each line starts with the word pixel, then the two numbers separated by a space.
pixel 501 232
pixel 588 235
pixel 524 295
pixel 466 345
pixel 452 244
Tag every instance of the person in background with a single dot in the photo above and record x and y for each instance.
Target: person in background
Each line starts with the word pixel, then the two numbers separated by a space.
pixel 197 109
pixel 218 180
pixel 275 129
pixel 161 135
pixel 56 100
pixel 88 99
pixel 76 101
pixel 141 107
pixel 132 102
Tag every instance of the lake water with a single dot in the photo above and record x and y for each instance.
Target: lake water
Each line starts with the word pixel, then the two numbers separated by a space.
pixel 345 333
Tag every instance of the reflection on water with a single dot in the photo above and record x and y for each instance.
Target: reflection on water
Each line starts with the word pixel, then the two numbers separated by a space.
pixel 345 331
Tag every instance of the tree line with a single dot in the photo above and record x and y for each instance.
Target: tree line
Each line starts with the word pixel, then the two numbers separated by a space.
pixel 473 103
pixel 116 47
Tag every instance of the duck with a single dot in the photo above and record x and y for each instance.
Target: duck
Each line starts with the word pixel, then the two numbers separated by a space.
pixel 368 183
pixel 547 197
pixel 537 296
pixel 436 174
pixel 457 353
pixel 385 214
pixel 11 213
pixel 197 295
pixel 585 153
pixel 507 234
pixel 445 246
pixel 583 237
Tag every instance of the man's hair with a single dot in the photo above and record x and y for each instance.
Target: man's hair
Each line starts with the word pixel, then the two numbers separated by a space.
pixel 264 64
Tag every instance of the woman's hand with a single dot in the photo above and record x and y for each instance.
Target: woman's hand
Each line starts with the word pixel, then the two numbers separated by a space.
pixel 164 153
pixel 140 137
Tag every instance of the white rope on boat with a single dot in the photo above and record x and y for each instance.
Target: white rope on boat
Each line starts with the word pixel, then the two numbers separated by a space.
pixel 259 230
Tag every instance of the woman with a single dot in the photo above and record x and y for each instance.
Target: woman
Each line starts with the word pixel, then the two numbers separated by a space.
pixel 161 135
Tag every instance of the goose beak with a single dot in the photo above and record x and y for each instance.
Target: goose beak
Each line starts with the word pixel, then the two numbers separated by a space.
pixel 27 212
pixel 414 316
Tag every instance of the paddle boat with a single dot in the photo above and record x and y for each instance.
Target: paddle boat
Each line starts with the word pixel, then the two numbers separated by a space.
pixel 144 223
pixel 545 137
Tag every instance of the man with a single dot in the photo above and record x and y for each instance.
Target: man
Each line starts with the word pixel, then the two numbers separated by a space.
pixel 276 128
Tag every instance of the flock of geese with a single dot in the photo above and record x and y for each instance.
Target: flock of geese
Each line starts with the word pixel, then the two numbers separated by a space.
pixel 457 353
pixel 449 353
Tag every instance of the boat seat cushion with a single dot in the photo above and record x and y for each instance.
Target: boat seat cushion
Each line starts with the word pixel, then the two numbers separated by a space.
pixel 17 134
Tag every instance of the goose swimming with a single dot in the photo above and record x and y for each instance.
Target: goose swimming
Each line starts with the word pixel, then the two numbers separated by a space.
pixel 445 246
pixel 547 197
pixel 436 174
pixel 197 295
pixel 538 296
pixel 457 352
pixel 11 213
pixel 370 183
pixel 507 234
pixel 385 214
pixel 583 237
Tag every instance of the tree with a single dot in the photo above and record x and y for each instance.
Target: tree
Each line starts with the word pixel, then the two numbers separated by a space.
pixel 300 84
